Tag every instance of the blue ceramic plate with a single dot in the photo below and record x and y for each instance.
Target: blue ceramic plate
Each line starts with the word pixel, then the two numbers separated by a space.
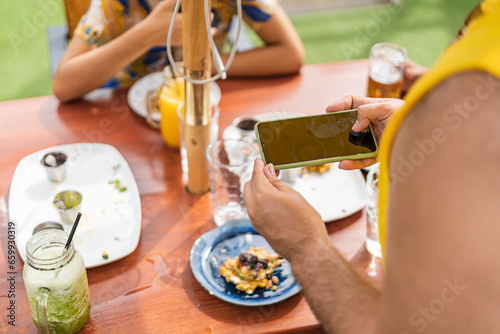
pixel 228 241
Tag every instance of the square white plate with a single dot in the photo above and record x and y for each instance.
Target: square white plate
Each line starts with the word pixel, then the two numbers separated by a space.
pixel 111 220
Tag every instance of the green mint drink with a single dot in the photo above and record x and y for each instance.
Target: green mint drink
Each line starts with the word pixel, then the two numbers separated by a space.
pixel 60 276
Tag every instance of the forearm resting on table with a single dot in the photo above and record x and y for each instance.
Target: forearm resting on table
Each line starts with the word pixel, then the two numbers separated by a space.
pixel 82 69
pixel 274 59
pixel 341 300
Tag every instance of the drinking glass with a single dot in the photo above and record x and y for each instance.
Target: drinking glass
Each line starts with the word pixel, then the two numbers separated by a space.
pixel 230 165
pixel 386 74
pixel 166 100
pixel 56 283
pixel 171 95
pixel 372 236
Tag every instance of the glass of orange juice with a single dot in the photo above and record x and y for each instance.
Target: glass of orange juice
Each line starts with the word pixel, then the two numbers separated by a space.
pixel 170 95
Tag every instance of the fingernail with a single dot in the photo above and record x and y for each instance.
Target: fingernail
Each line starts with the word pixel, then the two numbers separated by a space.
pixel 270 170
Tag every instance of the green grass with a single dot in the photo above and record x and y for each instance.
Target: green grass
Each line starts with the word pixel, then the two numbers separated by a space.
pixel 24 52
pixel 424 27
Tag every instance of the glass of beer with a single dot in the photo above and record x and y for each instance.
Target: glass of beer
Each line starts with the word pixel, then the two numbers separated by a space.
pixel 387 66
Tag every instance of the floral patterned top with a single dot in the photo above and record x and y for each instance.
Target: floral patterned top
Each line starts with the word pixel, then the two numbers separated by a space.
pixel 106 19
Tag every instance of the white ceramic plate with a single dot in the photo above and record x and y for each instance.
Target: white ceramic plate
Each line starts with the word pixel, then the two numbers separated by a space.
pixel 111 220
pixel 136 96
pixel 335 194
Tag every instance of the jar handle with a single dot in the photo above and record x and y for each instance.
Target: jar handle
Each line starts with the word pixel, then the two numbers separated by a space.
pixel 41 310
pixel 152 108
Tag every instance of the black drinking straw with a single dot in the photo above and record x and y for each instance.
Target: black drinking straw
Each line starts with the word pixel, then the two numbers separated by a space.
pixel 172 71
pixel 174 77
pixel 73 229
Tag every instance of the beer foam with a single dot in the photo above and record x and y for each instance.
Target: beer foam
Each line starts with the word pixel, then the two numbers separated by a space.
pixel 385 72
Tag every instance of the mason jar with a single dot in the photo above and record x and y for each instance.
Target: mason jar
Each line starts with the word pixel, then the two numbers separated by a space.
pixel 56 283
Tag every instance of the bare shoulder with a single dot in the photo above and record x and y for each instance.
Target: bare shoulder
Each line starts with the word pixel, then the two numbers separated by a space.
pixel 444 212
pixel 459 102
pixel 456 122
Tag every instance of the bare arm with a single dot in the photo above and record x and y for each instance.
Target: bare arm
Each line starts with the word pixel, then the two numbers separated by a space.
pixel 282 54
pixel 83 69
pixel 338 296
pixel 342 300
pixel 442 272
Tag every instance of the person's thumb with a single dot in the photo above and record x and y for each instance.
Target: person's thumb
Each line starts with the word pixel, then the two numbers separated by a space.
pixel 272 177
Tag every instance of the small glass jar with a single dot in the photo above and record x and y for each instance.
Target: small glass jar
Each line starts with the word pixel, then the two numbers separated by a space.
pixel 56 283
pixel 171 95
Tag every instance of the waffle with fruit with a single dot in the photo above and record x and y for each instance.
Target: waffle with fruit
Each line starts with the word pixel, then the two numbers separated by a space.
pixel 317 168
pixel 252 269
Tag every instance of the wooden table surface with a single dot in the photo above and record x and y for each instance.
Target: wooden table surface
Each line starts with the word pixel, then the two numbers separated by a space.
pixel 153 290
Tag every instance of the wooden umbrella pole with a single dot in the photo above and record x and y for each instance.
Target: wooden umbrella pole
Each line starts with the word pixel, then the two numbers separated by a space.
pixel 197 63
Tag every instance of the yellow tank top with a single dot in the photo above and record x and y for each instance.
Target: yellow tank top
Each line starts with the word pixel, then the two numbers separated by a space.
pixel 478 49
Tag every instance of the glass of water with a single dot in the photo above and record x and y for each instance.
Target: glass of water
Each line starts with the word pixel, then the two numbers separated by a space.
pixel 230 163
pixel 372 237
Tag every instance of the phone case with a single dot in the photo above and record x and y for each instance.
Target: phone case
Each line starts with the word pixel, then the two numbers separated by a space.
pixel 319 161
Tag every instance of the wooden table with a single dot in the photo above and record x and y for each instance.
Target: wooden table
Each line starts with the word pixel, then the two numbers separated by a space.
pixel 153 290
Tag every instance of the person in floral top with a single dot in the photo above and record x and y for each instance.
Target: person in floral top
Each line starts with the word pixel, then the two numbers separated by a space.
pixel 118 41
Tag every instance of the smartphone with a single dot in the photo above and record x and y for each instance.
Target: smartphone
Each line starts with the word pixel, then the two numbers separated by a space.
pixel 314 140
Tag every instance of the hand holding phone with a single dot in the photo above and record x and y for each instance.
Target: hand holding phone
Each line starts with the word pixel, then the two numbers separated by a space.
pixel 314 140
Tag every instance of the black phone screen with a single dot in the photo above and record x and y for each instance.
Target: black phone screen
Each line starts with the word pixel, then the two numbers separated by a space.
pixel 313 138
